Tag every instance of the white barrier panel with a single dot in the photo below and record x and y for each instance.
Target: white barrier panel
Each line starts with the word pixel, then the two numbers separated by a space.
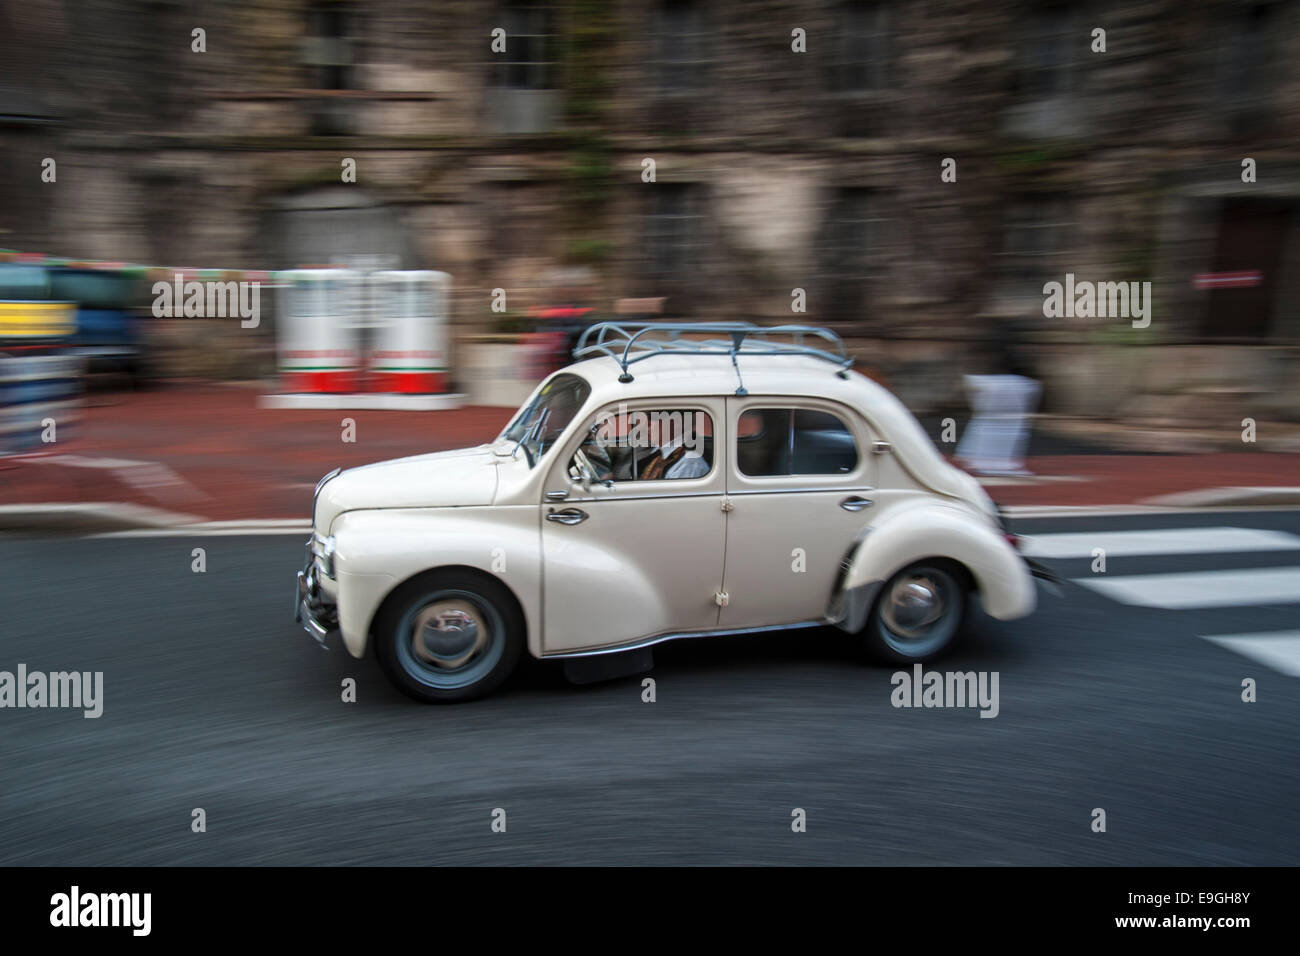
pixel 318 336
pixel 409 354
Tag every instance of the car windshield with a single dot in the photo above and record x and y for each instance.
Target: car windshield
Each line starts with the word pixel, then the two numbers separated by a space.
pixel 543 420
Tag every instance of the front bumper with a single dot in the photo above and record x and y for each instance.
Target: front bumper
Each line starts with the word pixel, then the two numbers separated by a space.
pixel 318 616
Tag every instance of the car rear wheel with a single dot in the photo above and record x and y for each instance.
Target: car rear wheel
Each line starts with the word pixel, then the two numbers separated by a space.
pixel 918 613
pixel 448 637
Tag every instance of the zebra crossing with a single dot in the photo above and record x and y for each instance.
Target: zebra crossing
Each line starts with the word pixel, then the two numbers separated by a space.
pixel 1197 590
pixel 1193 590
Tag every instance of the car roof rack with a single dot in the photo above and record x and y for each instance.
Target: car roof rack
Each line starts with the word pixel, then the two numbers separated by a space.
pixel 630 342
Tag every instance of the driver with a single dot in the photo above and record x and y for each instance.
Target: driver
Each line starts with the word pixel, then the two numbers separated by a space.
pixel 673 459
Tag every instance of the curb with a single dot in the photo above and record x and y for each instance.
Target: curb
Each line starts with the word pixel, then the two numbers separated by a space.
pixel 371 401
pixel 297 527
pixel 88 516
pixel 126 520
pixel 1227 497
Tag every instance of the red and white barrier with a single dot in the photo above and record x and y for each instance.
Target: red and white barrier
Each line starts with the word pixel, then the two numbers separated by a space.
pixel 318 333
pixel 409 353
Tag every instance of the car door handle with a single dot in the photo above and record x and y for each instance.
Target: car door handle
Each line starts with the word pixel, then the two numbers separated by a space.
pixel 567 515
pixel 856 503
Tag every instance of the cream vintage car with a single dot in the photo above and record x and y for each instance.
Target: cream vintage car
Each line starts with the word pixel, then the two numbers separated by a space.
pixel 666 485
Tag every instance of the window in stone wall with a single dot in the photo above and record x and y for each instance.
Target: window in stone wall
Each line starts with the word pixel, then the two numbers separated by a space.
pixel 1037 242
pixel 859 60
pixel 523 80
pixel 673 242
pixel 680 47
pixel 28 45
pixel 853 255
pixel 1045 53
pixel 528 62
pixel 858 69
pixel 329 56
pixel 26 50
pixel 1049 45
pixel 1247 44
pixel 682 44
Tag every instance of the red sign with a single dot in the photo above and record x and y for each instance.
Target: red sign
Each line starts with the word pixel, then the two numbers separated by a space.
pixel 1227 280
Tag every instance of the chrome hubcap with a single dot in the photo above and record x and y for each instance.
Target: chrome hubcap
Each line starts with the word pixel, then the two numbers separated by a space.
pixel 448 634
pixel 913 605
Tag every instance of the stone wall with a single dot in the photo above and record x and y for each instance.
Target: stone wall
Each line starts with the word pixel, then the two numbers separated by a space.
pixel 172 157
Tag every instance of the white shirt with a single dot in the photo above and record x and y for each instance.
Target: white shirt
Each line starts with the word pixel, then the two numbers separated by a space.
pixel 690 465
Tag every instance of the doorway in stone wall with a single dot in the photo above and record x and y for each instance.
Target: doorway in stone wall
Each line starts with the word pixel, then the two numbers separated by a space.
pixel 340 227
pixel 1244 274
pixel 337 226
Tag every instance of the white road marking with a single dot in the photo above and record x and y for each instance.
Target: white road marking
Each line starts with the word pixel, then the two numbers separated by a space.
pixel 1114 511
pixel 1279 650
pixel 1237 494
pixel 1163 541
pixel 1200 589
pixel 152 477
pixel 81 461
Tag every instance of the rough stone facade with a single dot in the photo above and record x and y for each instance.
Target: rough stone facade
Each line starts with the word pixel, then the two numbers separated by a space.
pixel 775 170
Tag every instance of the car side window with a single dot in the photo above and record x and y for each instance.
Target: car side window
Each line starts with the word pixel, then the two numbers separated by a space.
pixel 773 442
pixel 646 445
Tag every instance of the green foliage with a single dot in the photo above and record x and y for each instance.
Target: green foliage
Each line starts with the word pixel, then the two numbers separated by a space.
pixel 1121 333
pixel 589 53
pixel 589 56
pixel 591 172
pixel 588 251
pixel 1032 157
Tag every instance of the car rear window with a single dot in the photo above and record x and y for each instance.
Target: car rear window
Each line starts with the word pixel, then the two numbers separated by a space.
pixel 793 441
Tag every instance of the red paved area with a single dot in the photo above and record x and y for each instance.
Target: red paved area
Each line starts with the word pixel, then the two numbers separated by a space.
pixel 226 458
pixel 236 460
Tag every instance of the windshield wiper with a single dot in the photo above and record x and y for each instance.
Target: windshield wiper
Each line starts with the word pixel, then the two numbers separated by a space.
pixel 525 427
pixel 531 433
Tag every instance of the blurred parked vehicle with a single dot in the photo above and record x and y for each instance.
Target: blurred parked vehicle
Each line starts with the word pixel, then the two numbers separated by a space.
pixel 554 337
pixel 40 376
pixel 107 333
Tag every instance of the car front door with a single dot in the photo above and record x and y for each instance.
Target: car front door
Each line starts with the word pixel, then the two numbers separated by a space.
pixel 799 484
pixel 633 527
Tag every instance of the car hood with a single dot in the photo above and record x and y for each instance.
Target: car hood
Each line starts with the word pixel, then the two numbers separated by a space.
pixel 464 477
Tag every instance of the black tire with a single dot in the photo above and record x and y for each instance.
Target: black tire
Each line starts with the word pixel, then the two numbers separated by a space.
pixel 908 626
pixel 449 636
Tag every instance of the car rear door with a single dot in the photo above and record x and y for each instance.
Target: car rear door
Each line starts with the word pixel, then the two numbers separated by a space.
pixel 799 485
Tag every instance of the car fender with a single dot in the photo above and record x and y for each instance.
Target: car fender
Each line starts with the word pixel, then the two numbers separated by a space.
pixel 376 551
pixel 932 530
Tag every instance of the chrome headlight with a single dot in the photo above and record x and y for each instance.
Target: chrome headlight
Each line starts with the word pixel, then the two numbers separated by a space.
pixel 323 548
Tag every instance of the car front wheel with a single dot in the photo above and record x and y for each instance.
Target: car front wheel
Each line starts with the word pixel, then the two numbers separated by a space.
pixel 449 637
pixel 918 613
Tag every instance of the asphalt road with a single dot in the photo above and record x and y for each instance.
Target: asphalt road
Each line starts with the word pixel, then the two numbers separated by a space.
pixel 213 698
